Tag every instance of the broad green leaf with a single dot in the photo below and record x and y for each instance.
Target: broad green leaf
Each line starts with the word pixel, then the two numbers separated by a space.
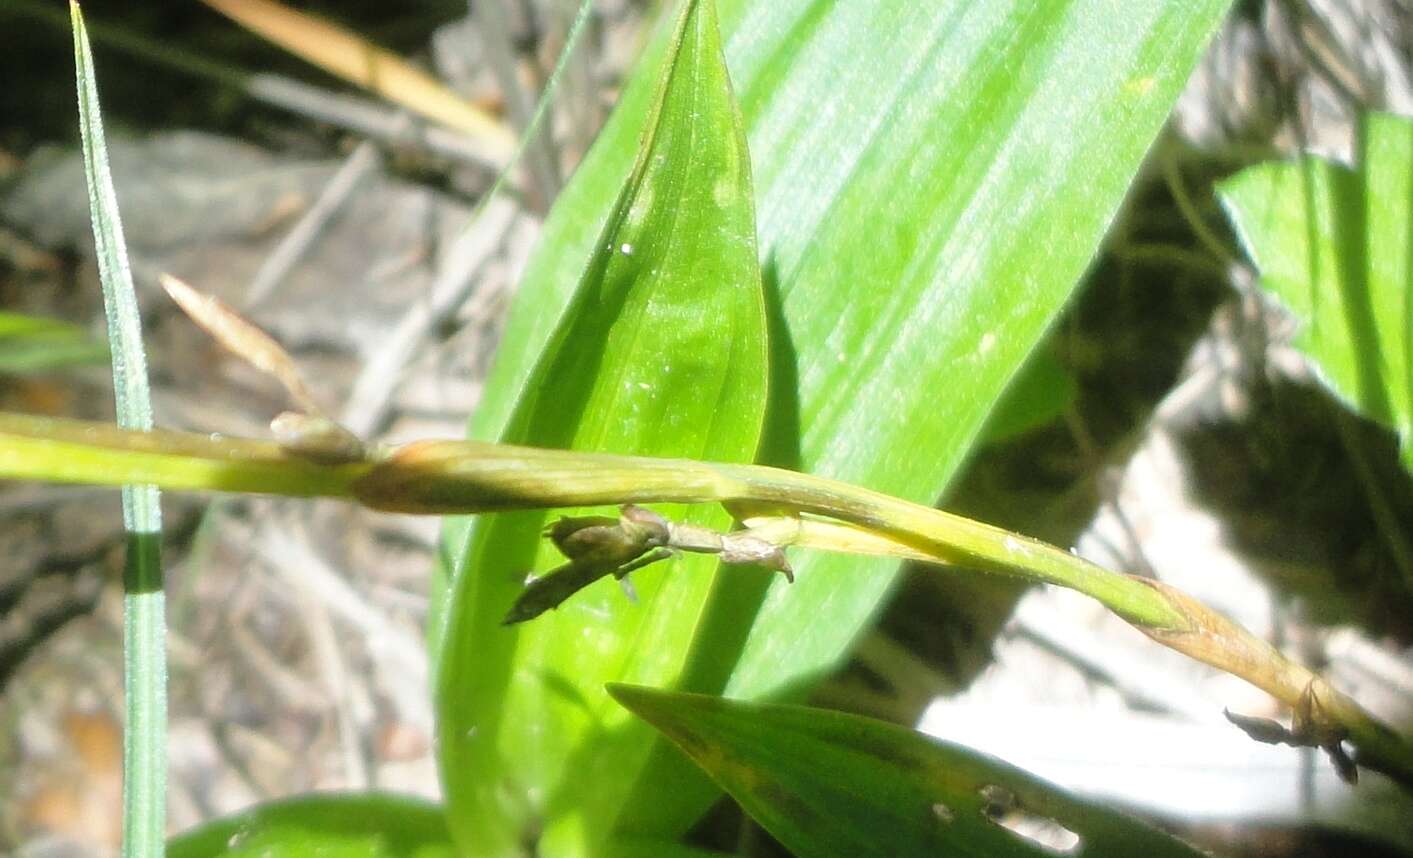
pixel 828 784
pixel 634 848
pixel 330 826
pixel 1039 394
pixel 661 352
pixel 35 344
pixel 931 180
pixel 1333 244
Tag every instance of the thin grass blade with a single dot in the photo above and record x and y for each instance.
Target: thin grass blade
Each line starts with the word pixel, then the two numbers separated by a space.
pixel 144 606
pixel 30 344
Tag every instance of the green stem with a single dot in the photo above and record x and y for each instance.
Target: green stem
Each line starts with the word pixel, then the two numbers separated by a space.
pixel 458 477
pixel 73 451
pixel 450 477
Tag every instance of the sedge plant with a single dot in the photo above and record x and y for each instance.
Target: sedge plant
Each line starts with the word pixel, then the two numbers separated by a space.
pixel 688 406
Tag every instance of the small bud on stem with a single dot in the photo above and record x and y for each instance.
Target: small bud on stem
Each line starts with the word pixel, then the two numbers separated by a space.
pixel 597 546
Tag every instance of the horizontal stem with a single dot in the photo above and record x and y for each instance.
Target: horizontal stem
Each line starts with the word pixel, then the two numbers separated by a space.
pixel 72 451
pixel 457 477
pixel 469 476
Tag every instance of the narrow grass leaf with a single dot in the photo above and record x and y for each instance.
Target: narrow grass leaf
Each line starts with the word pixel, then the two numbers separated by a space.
pixel 1333 244
pixel 144 621
pixel 826 784
pixel 663 352
pixel 351 825
pixel 931 181
pixel 30 344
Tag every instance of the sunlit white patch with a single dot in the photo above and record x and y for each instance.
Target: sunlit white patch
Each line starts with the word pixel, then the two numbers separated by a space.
pixel 1013 545
pixel 1140 85
pixel 723 191
pixel 1001 808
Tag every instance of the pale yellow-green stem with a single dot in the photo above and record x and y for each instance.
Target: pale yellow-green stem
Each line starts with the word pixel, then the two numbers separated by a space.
pixel 458 477
pixel 467 476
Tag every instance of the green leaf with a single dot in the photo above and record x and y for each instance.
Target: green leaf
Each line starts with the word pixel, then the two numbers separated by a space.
pixel 1039 394
pixel 330 826
pixel 144 605
pixel 661 352
pixel 1333 244
pixel 34 344
pixel 931 181
pixel 642 848
pixel 826 784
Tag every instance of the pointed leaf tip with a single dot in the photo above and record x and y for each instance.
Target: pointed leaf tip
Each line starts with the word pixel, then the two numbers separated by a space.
pixel 827 783
pixel 662 352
